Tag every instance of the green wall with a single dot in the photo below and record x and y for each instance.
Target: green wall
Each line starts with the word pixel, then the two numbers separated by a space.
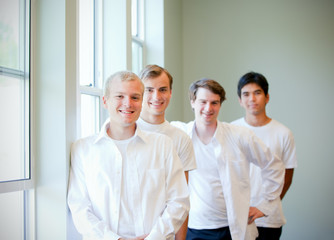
pixel 292 44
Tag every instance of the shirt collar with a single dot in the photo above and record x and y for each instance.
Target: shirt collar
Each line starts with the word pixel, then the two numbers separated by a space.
pixel 215 135
pixel 104 135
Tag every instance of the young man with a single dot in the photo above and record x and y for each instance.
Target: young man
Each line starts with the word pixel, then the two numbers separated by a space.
pixel 158 92
pixel 220 186
pixel 126 183
pixel 253 97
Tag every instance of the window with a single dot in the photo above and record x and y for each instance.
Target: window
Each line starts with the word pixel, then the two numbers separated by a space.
pixel 15 154
pixel 137 30
pixel 90 66
pixel 103 50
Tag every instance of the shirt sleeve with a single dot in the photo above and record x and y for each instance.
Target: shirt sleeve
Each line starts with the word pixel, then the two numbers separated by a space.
pixel 177 199
pixel 272 171
pixel 85 221
pixel 289 156
pixel 187 154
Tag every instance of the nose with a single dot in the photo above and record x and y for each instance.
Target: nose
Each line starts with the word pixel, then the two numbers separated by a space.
pixel 252 97
pixel 156 94
pixel 127 101
pixel 207 107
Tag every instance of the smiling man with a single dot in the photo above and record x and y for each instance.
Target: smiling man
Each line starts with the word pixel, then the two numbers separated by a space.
pixel 220 187
pixel 126 183
pixel 158 92
pixel 254 97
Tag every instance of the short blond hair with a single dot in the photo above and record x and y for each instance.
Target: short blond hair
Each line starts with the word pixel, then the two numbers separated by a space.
pixel 123 76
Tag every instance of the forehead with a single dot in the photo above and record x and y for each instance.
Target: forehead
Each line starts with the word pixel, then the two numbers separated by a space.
pixel 206 94
pixel 251 87
pixel 129 86
pixel 160 81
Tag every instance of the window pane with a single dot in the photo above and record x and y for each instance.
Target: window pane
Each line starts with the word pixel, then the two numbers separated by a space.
pixel 137 57
pixel 86 43
pixel 12 34
pixel 90 114
pixel 12 215
pixel 134 17
pixel 13 129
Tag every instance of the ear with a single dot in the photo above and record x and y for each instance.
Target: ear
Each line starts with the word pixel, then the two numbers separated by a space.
pixel 267 98
pixel 192 103
pixel 104 102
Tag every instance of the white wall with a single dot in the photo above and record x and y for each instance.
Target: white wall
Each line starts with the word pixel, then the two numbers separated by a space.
pixel 54 111
pixel 292 44
pixel 173 54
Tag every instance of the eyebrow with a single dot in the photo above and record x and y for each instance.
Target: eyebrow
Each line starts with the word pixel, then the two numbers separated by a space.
pixel 257 90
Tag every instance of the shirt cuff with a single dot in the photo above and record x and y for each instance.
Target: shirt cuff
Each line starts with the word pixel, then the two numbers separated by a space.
pixel 267 206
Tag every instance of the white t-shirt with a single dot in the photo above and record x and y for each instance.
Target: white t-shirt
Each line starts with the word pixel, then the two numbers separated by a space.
pixel 127 204
pixel 181 141
pixel 280 140
pixel 208 208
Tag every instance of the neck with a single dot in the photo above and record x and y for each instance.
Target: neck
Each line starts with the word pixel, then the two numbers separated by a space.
pixel 121 133
pixel 257 120
pixel 205 132
pixel 153 119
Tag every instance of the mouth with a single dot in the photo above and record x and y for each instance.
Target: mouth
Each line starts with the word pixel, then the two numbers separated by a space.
pixel 156 104
pixel 126 112
pixel 207 115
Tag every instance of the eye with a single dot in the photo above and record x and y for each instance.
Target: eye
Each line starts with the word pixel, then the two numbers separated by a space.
pixel 163 90
pixel 136 98
pixel 150 90
pixel 119 96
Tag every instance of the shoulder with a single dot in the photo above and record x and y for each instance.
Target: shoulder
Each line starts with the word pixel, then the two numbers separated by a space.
pixel 176 132
pixel 84 143
pixel 186 127
pixel 154 137
pixel 279 130
pixel 280 126
pixel 234 129
pixel 239 121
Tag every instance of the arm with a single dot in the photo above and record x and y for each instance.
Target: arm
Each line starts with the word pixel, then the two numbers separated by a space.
pixel 84 218
pixel 287 181
pixel 182 233
pixel 272 173
pixel 177 199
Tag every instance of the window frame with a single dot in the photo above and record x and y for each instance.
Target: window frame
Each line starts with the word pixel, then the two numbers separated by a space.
pixel 26 183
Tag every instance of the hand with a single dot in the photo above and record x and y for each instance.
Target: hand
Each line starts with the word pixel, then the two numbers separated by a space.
pixel 253 214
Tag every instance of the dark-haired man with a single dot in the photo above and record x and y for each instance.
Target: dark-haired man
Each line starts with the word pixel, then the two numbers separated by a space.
pixel 253 97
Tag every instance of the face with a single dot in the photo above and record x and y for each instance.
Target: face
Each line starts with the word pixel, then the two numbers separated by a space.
pixel 157 95
pixel 124 102
pixel 206 107
pixel 253 99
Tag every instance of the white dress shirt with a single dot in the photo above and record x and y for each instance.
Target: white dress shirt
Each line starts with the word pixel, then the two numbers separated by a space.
pixel 158 201
pixel 181 141
pixel 234 149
